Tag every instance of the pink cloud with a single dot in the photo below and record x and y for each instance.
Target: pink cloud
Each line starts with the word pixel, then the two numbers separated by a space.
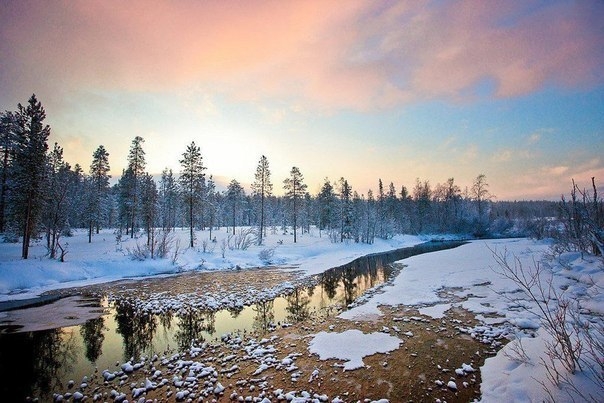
pixel 352 54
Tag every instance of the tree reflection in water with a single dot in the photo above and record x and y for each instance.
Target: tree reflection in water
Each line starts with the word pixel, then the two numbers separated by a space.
pixel 265 315
pixel 297 306
pixel 235 311
pixel 330 281
pixel 33 363
pixel 136 327
pixel 93 334
pixel 348 281
pixel 192 323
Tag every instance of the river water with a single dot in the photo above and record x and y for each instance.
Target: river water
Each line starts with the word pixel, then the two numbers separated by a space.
pixel 38 362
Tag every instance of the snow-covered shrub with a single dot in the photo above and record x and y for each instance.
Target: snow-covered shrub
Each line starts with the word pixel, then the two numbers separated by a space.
pixel 334 235
pixel 583 222
pixel 266 255
pixel 10 237
pixel 245 238
pixel 575 345
pixel 223 246
pixel 139 252
pixel 165 242
pixel 118 240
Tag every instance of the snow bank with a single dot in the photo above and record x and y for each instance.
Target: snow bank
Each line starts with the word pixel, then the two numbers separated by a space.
pixel 470 278
pixel 106 260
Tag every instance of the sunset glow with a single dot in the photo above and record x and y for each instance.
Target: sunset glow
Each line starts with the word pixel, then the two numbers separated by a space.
pixel 356 89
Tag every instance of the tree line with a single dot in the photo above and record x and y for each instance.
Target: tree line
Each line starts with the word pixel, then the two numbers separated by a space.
pixel 42 195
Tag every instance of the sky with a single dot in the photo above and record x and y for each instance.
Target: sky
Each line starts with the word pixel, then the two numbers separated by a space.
pixel 365 90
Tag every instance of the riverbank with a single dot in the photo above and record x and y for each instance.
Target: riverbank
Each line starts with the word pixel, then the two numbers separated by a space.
pixel 110 258
pixel 437 330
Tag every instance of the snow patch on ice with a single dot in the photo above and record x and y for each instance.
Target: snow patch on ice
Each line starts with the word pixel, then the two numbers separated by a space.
pixel 351 346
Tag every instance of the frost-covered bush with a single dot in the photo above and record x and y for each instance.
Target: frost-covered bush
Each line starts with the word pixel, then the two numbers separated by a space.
pixel 334 236
pixel 10 237
pixel 266 255
pixel 243 239
pixel 575 344
pixel 139 252
pixel 582 217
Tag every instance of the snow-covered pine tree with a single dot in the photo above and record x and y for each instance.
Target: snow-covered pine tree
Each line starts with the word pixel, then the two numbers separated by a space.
pixel 135 171
pixel 192 183
pixel 78 199
pixel 57 198
pixel 262 189
pixel 307 213
pixel 381 209
pixel 168 200
pixel 149 208
pixel 8 147
pixel 98 189
pixel 422 196
pixel 234 196
pixel 359 207
pixel 212 202
pixel 295 188
pixel 327 206
pixel 345 210
pixel 371 217
pixel 125 188
pixel 27 193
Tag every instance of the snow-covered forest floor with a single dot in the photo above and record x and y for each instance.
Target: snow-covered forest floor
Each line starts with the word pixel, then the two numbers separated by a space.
pixel 434 325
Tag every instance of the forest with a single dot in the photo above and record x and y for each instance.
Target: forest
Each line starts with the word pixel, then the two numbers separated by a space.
pixel 44 197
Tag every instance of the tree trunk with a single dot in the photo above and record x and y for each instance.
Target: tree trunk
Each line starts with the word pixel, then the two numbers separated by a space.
pixel 191 223
pixel 4 189
pixel 234 214
pixel 261 217
pixel 27 230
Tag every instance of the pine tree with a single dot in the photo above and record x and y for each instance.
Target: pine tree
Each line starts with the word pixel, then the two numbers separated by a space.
pixel 370 218
pixel 135 171
pixel 168 195
pixel 125 188
pixel 345 210
pixel 56 207
pixel 234 196
pixel 327 206
pixel 149 207
pixel 294 191
pixel 381 209
pixel 99 188
pixel 192 183
pixel 262 189
pixel 8 147
pixel 212 203
pixel 422 195
pixel 27 195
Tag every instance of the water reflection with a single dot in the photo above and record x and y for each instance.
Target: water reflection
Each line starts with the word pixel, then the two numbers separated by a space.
pixel 34 363
pixel 330 280
pixel 297 306
pixel 235 311
pixel 93 334
pixel 137 328
pixel 265 315
pixel 191 326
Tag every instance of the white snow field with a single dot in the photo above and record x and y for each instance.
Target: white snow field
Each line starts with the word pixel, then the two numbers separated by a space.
pixel 467 277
